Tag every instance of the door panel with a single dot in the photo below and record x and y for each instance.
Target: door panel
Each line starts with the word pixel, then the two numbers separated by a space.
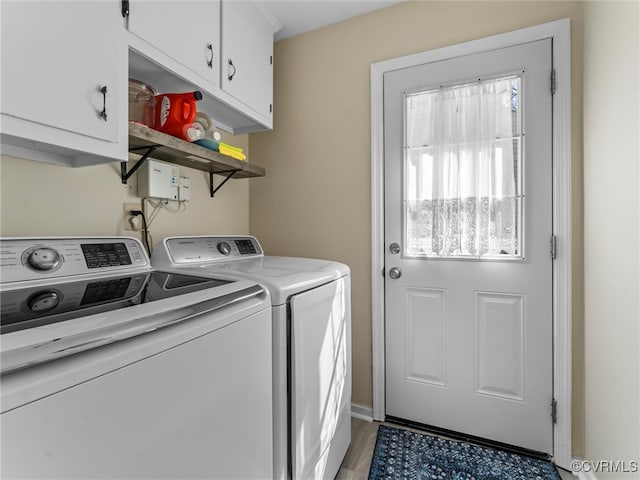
pixel 247 71
pixel 499 320
pixel 52 78
pixel 425 355
pixel 186 31
pixel 468 324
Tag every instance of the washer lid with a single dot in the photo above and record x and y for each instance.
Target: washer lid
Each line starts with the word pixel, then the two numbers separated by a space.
pixel 33 306
pixel 216 304
pixel 282 276
pixel 242 257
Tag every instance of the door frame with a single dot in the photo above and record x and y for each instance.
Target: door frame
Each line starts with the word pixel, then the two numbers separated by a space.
pixel 560 33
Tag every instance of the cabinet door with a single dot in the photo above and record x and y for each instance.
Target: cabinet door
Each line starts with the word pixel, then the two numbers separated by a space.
pixel 247 47
pixel 187 31
pixel 56 56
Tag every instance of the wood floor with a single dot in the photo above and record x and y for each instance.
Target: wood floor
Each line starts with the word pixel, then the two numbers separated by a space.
pixel 363 440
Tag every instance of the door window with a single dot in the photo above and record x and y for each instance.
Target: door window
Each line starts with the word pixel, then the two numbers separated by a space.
pixel 463 195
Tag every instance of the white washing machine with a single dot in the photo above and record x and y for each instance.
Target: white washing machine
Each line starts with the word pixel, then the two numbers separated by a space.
pixel 311 306
pixel 111 369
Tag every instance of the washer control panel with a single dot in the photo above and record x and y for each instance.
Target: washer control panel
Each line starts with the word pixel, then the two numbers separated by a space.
pixel 24 259
pixel 185 250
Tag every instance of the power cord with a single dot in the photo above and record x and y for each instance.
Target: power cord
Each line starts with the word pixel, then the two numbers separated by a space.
pixel 145 230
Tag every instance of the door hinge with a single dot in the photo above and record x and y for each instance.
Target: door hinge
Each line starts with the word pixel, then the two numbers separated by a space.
pixel 554 247
pixel 554 411
pixel 383 272
pixel 125 8
pixel 553 81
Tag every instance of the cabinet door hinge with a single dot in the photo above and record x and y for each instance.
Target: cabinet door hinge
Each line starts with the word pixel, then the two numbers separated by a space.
pixel 553 81
pixel 271 60
pixel 554 247
pixel 125 8
pixel 271 108
pixel 554 411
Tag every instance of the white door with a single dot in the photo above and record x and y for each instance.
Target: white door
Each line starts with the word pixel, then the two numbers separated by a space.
pixel 56 58
pixel 468 223
pixel 247 46
pixel 186 31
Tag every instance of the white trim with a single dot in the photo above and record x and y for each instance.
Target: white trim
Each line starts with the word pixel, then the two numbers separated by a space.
pixel 585 475
pixel 560 32
pixel 377 239
pixel 361 412
pixel 582 474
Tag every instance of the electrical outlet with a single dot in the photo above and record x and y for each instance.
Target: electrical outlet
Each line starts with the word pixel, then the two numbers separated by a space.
pixel 127 223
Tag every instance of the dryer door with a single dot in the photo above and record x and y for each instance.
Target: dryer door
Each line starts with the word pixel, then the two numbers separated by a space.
pixel 321 379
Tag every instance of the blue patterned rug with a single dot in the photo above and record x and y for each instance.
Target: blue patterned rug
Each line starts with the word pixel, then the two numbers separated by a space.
pixel 401 454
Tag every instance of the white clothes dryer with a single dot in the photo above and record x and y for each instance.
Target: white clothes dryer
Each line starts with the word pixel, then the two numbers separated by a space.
pixel 311 307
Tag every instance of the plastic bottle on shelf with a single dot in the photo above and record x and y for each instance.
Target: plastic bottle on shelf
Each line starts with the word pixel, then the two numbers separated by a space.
pixel 212 137
pixel 175 112
pixel 192 132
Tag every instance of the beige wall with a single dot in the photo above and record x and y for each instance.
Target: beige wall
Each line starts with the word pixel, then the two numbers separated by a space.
pixel 43 199
pixel 612 240
pixel 315 200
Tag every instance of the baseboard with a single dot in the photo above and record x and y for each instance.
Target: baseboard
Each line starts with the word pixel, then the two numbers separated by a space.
pixel 362 413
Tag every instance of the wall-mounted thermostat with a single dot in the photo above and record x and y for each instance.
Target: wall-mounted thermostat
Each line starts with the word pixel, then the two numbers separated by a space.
pixel 158 180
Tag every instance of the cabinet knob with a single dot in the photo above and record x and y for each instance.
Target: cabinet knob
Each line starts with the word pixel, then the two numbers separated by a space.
pixel 231 70
pixel 210 61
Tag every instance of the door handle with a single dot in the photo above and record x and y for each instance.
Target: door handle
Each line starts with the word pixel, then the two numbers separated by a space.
pixel 210 61
pixel 103 113
pixel 395 273
pixel 230 73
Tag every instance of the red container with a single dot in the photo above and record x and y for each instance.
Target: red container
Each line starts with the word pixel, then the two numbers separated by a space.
pixel 175 110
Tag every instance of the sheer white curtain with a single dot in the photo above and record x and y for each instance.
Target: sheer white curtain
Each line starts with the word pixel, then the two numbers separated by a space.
pixel 462 172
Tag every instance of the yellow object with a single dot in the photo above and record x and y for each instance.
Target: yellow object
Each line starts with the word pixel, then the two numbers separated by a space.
pixel 231 151
pixel 231 147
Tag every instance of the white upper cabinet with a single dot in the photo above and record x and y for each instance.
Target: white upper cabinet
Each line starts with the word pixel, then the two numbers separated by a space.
pixel 178 46
pixel 64 80
pixel 65 66
pixel 247 55
pixel 187 32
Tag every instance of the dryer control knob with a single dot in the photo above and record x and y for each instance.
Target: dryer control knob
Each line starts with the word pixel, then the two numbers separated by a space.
pixel 44 259
pixel 224 248
pixel 43 301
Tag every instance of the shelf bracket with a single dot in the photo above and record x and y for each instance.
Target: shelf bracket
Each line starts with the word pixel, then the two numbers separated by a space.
pixel 212 190
pixel 123 165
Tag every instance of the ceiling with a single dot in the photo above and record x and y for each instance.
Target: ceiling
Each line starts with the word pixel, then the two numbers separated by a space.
pixel 299 16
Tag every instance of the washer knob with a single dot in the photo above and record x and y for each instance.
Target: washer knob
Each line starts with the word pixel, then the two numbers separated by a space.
pixel 43 301
pixel 44 259
pixel 224 248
